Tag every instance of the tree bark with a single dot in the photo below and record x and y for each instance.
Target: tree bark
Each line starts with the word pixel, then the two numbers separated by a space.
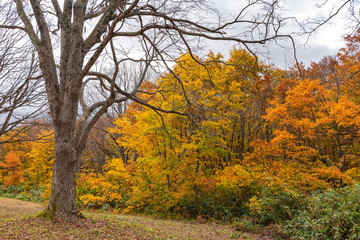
pixel 62 202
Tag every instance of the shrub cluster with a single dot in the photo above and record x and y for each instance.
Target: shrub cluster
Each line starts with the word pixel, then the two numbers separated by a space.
pixel 19 192
pixel 275 205
pixel 333 214
pixel 323 215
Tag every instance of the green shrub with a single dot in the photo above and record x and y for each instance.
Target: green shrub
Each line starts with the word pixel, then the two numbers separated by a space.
pixel 10 190
pixel 334 214
pixel 246 224
pixel 275 205
pixel 222 203
pixel 19 192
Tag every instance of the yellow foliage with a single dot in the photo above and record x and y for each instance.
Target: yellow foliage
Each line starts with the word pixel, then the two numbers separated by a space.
pixel 234 177
pixel 255 206
pixel 96 190
pixel 41 160
pixel 354 173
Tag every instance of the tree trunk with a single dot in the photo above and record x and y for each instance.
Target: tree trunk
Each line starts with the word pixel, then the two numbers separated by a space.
pixel 62 204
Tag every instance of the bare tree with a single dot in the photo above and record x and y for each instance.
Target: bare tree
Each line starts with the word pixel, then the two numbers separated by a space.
pixel 22 94
pixel 82 43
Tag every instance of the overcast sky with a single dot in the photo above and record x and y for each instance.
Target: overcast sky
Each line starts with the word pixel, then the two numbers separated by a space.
pixel 326 41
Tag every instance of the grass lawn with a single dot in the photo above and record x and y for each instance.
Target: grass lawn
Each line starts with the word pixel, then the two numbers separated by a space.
pixel 18 221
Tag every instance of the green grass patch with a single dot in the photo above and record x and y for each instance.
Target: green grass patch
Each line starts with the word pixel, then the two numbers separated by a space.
pixel 18 221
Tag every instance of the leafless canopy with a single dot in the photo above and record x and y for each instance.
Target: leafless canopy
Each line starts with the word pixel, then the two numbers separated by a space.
pixel 21 91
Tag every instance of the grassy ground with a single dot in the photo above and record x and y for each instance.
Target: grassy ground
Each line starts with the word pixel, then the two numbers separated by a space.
pixel 18 221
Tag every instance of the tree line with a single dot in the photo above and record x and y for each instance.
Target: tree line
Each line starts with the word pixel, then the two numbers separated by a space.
pixel 77 53
pixel 239 128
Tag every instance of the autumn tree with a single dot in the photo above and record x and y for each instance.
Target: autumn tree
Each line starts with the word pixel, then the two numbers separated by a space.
pixel 313 124
pixel 199 155
pixel 11 169
pixel 41 158
pixel 81 44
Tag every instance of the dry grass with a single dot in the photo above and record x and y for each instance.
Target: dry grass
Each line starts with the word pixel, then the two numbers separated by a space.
pixel 18 221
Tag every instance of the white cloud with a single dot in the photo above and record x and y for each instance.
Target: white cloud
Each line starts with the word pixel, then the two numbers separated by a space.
pixel 325 41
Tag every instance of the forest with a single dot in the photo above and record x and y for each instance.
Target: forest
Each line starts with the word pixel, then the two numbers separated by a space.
pixel 258 145
pixel 119 106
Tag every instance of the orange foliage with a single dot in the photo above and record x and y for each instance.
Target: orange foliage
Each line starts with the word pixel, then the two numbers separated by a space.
pixel 11 172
